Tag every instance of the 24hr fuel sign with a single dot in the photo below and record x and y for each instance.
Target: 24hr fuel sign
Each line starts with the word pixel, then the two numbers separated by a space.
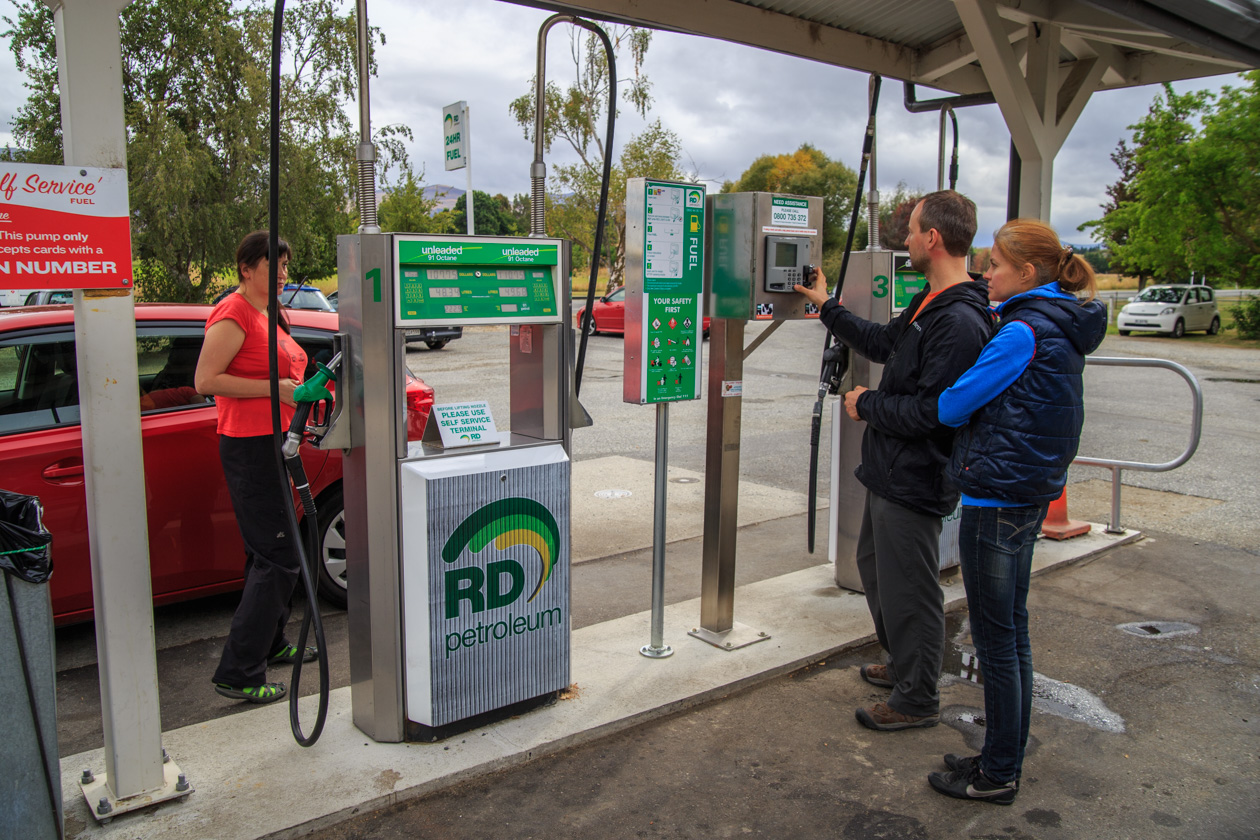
pixel 670 313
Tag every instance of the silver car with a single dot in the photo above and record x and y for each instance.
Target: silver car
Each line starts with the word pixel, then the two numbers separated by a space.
pixel 1172 310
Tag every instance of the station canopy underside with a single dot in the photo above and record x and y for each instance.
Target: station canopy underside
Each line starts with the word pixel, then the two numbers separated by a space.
pixel 926 42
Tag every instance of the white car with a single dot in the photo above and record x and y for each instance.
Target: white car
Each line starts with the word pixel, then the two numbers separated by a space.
pixel 1172 310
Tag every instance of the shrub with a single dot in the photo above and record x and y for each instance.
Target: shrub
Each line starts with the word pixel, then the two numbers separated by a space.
pixel 1247 318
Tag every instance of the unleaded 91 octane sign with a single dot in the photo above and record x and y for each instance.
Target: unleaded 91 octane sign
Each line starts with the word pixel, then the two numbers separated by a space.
pixel 664 315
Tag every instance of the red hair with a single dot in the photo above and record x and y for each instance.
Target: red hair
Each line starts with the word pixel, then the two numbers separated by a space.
pixel 1033 242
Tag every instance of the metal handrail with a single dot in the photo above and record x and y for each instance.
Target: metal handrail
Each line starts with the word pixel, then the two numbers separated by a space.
pixel 1196 429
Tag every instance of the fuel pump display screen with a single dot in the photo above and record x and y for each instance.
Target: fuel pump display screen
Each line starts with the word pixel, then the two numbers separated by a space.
pixel 476 281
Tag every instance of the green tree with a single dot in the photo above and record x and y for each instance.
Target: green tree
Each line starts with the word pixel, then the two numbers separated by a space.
pixel 405 208
pixel 808 171
pixel 577 115
pixel 196 98
pixel 492 215
pixel 1188 199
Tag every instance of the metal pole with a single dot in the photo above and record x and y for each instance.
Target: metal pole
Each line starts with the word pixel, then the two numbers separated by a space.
pixel 658 649
pixel 468 167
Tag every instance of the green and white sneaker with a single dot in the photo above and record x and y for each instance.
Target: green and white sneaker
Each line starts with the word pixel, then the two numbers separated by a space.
pixel 970 783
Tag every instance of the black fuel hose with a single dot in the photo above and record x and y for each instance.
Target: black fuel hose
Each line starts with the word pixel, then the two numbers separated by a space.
pixel 273 315
pixel 602 215
pixel 835 359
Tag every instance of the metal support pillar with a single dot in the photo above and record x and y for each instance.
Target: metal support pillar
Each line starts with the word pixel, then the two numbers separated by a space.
pixel 721 491
pixel 1039 107
pixel 93 130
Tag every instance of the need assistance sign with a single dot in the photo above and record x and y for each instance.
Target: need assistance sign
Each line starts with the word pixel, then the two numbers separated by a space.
pixel 63 227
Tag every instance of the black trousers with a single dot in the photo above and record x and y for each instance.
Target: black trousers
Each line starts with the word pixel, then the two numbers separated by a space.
pixel 271 569
pixel 898 559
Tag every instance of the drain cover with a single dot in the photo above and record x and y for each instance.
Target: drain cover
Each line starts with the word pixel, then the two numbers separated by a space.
pixel 1158 629
pixel 686 479
pixel 612 494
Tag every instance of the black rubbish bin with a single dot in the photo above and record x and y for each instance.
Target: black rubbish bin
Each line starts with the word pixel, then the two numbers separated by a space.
pixel 31 804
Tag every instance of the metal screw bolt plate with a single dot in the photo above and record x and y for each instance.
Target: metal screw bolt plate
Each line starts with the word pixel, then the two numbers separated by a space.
pixel 87 778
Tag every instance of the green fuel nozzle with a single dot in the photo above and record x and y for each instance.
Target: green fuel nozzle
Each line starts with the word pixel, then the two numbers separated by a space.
pixel 306 395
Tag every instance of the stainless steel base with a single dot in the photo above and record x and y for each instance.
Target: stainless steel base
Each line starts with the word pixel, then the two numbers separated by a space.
pixel 97 791
pixel 656 652
pixel 740 635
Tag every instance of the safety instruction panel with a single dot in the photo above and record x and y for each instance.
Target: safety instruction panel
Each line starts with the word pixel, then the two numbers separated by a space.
pixel 671 324
pixel 477 280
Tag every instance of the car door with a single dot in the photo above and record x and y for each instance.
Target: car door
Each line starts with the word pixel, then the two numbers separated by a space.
pixel 614 313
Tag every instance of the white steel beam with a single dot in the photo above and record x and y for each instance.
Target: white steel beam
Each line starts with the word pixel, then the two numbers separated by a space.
pixel 93 133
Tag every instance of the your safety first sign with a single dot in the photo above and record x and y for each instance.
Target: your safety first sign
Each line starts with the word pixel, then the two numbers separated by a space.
pixel 64 227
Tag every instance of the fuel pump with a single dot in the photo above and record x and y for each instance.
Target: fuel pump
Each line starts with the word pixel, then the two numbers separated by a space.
pixel 457 545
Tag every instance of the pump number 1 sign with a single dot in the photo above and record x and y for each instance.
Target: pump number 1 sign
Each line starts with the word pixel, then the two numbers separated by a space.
pixel 664 285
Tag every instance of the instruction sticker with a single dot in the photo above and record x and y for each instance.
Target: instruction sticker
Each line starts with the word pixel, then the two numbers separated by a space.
pixel 464 424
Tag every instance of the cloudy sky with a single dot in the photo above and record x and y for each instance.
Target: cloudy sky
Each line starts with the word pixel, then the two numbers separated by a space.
pixel 727 103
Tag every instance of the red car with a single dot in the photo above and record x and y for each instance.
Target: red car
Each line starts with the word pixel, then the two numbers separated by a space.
pixel 194 546
pixel 609 315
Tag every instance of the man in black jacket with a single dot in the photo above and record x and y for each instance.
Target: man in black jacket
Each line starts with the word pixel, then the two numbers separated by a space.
pixel 905 450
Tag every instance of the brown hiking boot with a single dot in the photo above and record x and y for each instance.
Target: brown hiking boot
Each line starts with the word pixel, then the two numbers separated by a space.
pixel 885 718
pixel 876 675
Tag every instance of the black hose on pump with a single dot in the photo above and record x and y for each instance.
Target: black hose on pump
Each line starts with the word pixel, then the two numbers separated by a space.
pixel 835 358
pixel 310 531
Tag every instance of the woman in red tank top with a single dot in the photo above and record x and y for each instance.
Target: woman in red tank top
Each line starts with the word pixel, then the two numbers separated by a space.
pixel 233 368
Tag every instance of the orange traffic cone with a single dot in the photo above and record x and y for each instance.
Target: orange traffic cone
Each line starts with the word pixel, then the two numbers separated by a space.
pixel 1057 525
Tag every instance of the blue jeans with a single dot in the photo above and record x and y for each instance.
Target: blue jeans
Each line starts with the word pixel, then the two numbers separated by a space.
pixel 996 547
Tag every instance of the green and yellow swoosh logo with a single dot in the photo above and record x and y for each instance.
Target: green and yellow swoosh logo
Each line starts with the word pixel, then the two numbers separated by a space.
pixel 509 522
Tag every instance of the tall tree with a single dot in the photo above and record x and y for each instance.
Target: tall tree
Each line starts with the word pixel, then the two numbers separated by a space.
pixel 405 207
pixel 196 96
pixel 1189 197
pixel 808 171
pixel 492 215
pixel 576 115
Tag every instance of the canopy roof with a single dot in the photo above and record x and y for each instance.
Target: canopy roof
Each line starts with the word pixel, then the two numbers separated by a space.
pixel 925 41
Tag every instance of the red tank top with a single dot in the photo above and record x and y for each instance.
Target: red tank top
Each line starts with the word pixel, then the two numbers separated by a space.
pixel 251 416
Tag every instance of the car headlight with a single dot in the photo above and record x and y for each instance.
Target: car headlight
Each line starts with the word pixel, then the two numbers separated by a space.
pixel 1169 310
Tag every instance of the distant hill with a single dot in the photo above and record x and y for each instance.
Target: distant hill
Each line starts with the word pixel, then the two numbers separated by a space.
pixel 444 194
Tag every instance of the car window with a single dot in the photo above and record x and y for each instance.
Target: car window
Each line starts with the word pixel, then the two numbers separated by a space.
pixel 618 296
pixel 1205 295
pixel 31 299
pixel 1160 294
pixel 166 360
pixel 61 297
pixel 39 384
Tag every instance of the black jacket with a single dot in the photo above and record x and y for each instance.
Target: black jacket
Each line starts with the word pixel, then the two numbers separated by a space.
pixel 906 448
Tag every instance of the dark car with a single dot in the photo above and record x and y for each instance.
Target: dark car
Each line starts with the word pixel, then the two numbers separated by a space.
pixel 194 546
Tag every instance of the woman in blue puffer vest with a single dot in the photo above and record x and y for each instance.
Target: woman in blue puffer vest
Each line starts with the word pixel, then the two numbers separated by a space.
pixel 1020 411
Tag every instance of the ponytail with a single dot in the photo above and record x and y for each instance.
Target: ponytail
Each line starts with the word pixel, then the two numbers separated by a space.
pixel 1033 242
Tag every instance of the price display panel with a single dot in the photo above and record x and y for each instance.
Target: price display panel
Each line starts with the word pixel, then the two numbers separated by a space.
pixel 477 280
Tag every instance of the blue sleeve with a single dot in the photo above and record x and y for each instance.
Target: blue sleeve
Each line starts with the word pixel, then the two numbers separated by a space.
pixel 1001 362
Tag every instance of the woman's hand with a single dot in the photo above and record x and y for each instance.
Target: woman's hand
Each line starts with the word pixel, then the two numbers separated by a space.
pixel 287 386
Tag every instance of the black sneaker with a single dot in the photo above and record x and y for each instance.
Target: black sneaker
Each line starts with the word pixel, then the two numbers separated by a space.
pixel 970 783
pixel 961 762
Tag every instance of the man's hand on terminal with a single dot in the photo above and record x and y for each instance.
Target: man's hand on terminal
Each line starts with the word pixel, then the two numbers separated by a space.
pixel 816 295
pixel 850 402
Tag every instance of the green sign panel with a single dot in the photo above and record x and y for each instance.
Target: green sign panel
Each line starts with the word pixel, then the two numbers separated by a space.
pixel 476 281
pixel 673 285
pixel 906 283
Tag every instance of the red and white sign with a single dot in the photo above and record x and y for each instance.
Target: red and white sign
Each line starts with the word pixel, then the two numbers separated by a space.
pixel 64 227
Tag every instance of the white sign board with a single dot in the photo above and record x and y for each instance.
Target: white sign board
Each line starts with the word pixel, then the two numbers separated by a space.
pixel 455 134
pixel 464 424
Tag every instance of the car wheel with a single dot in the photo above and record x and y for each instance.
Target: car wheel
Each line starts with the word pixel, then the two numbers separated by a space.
pixel 436 345
pixel 1215 327
pixel 331 520
pixel 592 328
pixel 1179 329
pixel 1124 332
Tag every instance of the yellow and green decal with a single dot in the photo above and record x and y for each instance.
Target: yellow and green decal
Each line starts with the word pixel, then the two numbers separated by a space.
pixel 507 523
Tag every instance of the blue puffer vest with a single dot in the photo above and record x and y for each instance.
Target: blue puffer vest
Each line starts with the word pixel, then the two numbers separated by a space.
pixel 1017 448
